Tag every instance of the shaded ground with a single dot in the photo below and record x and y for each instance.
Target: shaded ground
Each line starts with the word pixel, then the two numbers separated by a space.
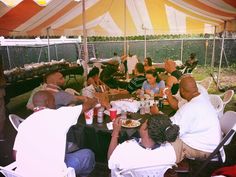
pixel 17 106
pixel 227 76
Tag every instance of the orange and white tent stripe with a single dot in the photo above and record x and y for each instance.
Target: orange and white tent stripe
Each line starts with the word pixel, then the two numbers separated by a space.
pixel 115 17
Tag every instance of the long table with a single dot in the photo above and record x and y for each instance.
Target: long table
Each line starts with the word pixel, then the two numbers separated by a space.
pixel 19 87
pixel 97 136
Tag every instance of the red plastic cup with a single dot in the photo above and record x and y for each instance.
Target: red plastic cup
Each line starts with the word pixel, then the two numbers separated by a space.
pixel 113 113
pixel 95 113
pixel 89 116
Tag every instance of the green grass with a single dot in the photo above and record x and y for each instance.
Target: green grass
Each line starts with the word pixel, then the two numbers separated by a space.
pixel 228 78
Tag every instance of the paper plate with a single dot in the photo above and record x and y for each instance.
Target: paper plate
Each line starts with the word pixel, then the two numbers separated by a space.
pixel 130 123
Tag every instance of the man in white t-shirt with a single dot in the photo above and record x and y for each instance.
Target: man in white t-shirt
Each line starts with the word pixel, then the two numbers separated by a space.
pixel 41 140
pixel 153 148
pixel 200 131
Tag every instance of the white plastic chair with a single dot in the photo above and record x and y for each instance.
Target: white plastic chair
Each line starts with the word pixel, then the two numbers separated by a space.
pixel 217 103
pixel 155 171
pixel 9 171
pixel 206 83
pixel 228 127
pixel 227 96
pixel 226 122
pixel 15 120
pixel 72 91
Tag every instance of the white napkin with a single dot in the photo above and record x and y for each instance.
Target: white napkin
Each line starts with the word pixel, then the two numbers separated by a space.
pixel 110 126
pixel 127 105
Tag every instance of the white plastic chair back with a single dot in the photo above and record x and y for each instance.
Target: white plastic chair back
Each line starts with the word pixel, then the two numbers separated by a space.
pixel 72 91
pixel 227 121
pixel 155 171
pixel 206 82
pixel 9 171
pixel 70 172
pixel 15 120
pixel 227 96
pixel 217 103
pixel 223 142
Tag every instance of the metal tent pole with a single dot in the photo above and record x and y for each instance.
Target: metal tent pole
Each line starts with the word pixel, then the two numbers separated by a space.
pixel 85 40
pixel 182 49
pixel 40 53
pixel 9 58
pixel 221 55
pixel 213 49
pixel 125 42
pixel 49 57
pixel 145 43
pixel 206 44
pixel 56 51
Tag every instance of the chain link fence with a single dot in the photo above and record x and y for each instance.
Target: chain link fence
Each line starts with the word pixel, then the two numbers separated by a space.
pixel 158 50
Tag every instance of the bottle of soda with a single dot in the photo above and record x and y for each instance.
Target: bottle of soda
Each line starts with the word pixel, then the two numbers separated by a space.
pixel 123 115
pixel 160 105
pixel 100 115
pixel 147 107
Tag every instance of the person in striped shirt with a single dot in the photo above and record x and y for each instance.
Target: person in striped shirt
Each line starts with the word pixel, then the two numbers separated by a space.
pixel 137 82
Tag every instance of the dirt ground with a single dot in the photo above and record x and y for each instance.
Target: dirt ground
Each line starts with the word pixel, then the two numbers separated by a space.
pixel 227 76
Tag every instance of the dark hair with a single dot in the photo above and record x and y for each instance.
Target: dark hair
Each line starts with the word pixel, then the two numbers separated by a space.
pixel 192 55
pixel 94 71
pixel 154 73
pixel 115 54
pixel 140 67
pixel 161 129
pixel 149 61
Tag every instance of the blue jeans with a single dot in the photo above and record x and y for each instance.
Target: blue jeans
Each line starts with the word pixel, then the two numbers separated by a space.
pixel 83 161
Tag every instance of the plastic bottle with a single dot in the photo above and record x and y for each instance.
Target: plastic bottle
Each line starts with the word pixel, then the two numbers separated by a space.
pixel 147 107
pixel 142 108
pixel 100 115
pixel 161 103
pixel 123 115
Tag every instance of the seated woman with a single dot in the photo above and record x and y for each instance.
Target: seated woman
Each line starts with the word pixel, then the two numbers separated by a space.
pixel 154 147
pixel 93 79
pixel 153 84
pixel 148 64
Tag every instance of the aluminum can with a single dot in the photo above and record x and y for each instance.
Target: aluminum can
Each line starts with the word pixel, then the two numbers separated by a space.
pixel 100 115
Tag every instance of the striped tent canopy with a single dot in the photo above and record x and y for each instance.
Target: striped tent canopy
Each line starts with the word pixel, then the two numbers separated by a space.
pixel 115 17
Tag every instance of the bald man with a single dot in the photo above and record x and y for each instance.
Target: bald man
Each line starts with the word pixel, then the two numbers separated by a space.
pixel 176 101
pixel 200 131
pixel 53 83
pixel 41 141
pixel 173 80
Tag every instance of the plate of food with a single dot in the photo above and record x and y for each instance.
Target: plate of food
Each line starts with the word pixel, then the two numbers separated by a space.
pixel 130 123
